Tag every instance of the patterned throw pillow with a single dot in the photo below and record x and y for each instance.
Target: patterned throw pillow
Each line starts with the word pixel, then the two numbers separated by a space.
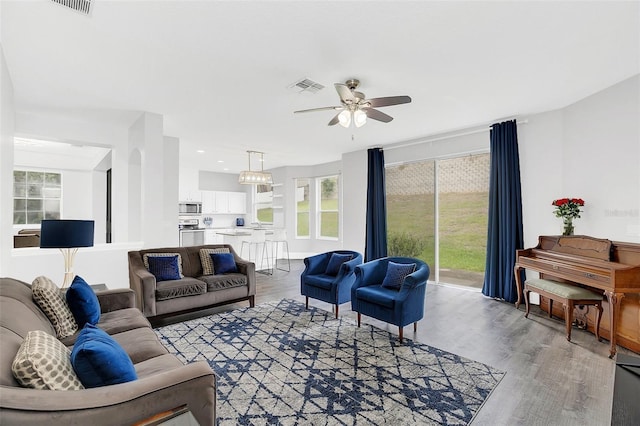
pixel 146 256
pixel 223 263
pixel 205 259
pixel 44 363
pixel 99 360
pixel 164 268
pixel 396 273
pixel 83 302
pixel 48 297
pixel 335 262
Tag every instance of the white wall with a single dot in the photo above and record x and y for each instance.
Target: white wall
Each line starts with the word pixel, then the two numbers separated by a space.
pixel 7 125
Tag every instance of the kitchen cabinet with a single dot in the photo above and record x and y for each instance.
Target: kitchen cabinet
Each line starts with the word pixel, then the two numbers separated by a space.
pixel 224 202
pixel 190 195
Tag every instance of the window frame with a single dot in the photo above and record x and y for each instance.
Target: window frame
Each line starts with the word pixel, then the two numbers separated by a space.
pixel 319 211
pixel 42 198
pixel 309 208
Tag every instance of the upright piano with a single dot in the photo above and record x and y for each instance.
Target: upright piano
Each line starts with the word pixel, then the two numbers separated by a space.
pixel 610 267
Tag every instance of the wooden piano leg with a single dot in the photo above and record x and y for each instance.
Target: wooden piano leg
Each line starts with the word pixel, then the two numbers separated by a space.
pixel 614 300
pixel 516 272
pixel 568 317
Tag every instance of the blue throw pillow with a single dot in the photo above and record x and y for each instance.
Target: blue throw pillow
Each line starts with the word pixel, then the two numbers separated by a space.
pixel 164 268
pixel 335 262
pixel 99 360
pixel 223 263
pixel 396 273
pixel 83 302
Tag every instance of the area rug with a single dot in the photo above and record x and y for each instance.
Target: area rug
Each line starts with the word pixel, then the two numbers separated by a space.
pixel 280 364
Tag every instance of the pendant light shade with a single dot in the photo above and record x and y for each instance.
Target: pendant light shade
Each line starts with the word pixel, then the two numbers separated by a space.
pixel 344 118
pixel 255 177
pixel 359 118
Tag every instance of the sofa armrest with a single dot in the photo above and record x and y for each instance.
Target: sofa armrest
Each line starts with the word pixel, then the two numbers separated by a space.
pixel 193 385
pixel 249 269
pixel 143 283
pixel 116 299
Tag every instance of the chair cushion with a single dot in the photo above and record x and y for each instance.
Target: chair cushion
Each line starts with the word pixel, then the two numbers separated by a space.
pixel 207 262
pixel 335 262
pixel 43 362
pixel 322 281
pixel 377 295
pixel 146 256
pixel 186 286
pixel 396 273
pixel 223 263
pixel 48 297
pixel 83 302
pixel 164 268
pixel 99 360
pixel 220 282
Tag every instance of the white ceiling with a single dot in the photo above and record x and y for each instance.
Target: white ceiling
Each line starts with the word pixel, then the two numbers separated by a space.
pixel 219 71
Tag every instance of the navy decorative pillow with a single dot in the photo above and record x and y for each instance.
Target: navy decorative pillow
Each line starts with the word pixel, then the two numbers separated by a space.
pixel 223 263
pixel 396 273
pixel 335 262
pixel 83 302
pixel 99 360
pixel 164 268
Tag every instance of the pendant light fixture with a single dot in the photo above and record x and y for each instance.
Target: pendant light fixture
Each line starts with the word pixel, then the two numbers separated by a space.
pixel 255 177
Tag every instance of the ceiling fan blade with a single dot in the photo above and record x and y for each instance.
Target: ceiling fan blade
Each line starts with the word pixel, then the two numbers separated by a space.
pixel 336 108
pixel 334 120
pixel 388 101
pixel 377 115
pixel 345 93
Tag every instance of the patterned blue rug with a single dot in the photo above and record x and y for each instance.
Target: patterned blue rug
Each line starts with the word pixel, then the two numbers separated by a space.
pixel 279 364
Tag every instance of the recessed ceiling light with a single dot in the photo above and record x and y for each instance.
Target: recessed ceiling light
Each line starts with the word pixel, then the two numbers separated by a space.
pixel 226 169
pixel 220 161
pixel 200 151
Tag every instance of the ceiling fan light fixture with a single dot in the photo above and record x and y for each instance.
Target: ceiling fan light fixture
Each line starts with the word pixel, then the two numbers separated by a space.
pixel 255 177
pixel 344 118
pixel 359 118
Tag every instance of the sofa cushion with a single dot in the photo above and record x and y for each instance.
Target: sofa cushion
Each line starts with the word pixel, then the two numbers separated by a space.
pixel 48 297
pixel 322 280
pixel 146 256
pixel 140 344
pixel 180 288
pixel 164 268
pixel 83 302
pixel 207 262
pixel 223 263
pixel 377 295
pixel 335 262
pixel 43 362
pixel 99 360
pixel 396 273
pixel 220 282
pixel 116 322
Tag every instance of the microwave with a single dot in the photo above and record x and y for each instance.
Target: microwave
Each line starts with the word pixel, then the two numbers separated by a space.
pixel 190 207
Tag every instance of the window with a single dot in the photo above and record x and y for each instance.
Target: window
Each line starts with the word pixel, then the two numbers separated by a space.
pixel 328 205
pixel 36 196
pixel 302 208
pixel 263 206
pixel 441 207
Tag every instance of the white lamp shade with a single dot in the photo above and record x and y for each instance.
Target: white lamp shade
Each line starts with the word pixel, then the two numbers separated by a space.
pixel 359 118
pixel 344 118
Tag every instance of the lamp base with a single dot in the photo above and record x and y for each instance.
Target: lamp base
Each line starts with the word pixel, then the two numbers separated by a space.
pixel 69 255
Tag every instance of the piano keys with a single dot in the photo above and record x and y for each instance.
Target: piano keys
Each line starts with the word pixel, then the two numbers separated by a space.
pixel 612 268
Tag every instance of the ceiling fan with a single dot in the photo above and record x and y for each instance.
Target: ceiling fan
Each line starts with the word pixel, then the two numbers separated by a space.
pixel 356 108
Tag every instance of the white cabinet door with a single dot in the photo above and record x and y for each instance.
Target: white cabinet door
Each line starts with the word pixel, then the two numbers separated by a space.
pixel 222 202
pixel 237 202
pixel 210 236
pixel 208 202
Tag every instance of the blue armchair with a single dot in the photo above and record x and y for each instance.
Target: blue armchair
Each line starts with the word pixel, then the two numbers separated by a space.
pixel 391 290
pixel 329 276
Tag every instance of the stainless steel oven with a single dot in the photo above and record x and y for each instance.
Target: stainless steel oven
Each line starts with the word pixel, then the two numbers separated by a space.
pixel 189 207
pixel 190 232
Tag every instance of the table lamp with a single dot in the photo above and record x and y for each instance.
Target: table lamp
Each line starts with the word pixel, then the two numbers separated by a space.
pixel 68 236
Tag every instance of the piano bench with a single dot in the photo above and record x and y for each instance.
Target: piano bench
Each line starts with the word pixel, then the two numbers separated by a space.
pixel 569 295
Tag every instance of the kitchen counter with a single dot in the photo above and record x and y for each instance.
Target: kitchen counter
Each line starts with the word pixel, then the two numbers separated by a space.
pixel 244 232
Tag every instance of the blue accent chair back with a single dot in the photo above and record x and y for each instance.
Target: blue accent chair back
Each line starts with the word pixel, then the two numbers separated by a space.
pixel 394 306
pixel 315 283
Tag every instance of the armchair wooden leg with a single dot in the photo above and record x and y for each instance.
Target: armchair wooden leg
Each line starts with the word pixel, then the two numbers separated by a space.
pixel 307 302
pixel 415 327
pixel 336 311
pixel 358 319
pixel 400 333
pixel 252 301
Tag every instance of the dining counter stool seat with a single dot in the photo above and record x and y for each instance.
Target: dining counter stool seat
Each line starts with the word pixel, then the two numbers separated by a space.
pixel 280 237
pixel 258 237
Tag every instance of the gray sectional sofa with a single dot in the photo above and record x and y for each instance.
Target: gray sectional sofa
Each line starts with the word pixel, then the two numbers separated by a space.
pixel 163 383
pixel 196 290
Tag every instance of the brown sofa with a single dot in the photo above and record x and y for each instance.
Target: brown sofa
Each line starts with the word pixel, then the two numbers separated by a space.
pixel 193 292
pixel 164 382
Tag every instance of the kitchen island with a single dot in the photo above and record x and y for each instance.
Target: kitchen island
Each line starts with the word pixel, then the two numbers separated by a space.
pixel 237 236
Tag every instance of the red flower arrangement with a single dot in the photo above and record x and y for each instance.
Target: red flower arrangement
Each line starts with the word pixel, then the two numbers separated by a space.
pixel 568 208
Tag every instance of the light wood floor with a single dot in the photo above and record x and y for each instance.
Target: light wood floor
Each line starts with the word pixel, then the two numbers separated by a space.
pixel 549 381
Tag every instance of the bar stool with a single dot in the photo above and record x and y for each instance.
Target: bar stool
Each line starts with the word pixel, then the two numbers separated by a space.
pixel 280 237
pixel 257 237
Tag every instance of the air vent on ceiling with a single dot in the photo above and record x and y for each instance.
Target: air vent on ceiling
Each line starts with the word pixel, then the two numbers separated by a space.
pixel 82 6
pixel 307 85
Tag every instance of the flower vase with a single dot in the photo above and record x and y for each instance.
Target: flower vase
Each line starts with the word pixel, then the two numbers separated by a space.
pixel 568 226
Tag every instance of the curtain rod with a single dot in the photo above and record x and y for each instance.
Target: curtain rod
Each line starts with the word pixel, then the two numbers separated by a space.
pixel 439 138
